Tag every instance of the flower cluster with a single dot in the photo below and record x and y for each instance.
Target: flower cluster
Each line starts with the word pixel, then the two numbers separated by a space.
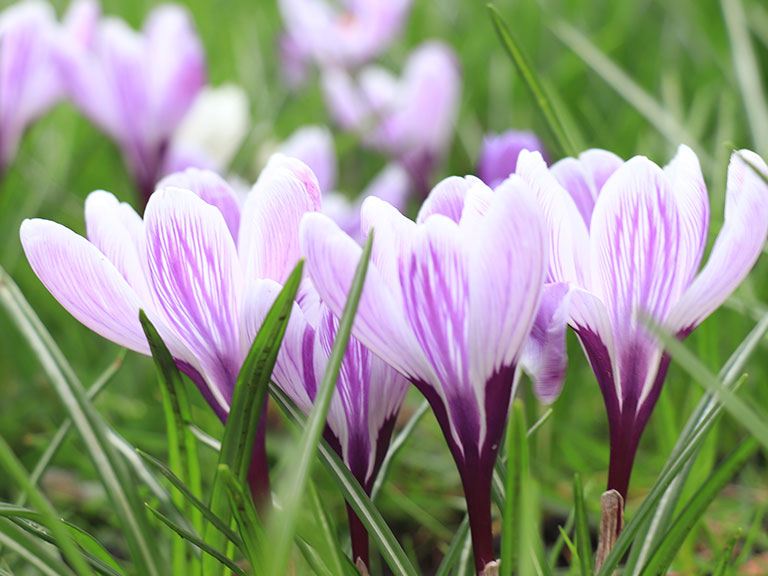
pixel 481 285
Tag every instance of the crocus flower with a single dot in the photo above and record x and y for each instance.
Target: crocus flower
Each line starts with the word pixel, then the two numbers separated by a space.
pixel 498 156
pixel 313 145
pixel 449 302
pixel 629 238
pixel 211 132
pixel 187 264
pixel 30 83
pixel 347 35
pixel 368 395
pixel 137 87
pixel 409 118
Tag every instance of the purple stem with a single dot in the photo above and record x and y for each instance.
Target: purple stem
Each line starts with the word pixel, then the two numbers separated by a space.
pixel 477 493
pixel 359 537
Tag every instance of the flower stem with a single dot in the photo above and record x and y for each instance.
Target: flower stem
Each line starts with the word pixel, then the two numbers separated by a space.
pixel 359 536
pixel 477 492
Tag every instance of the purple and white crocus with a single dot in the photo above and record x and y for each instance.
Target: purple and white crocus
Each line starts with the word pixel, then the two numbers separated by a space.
pixel 343 34
pixel 138 86
pixel 30 82
pixel 188 264
pixel 628 237
pixel 411 118
pixel 449 302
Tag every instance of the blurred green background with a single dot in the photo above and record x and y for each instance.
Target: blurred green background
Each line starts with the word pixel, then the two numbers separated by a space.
pixel 635 77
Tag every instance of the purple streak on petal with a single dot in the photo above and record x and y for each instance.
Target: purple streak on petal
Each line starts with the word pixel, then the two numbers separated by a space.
pixel 213 189
pixel 498 156
pixel 196 279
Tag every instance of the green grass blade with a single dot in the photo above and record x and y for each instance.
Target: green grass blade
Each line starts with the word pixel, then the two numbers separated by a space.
pixel 333 554
pixel 15 471
pixel 516 443
pixel 581 528
pixel 747 72
pixel 314 559
pixel 198 504
pixel 397 446
pixel 282 527
pixel 659 117
pixel 198 542
pixel 117 483
pixel 13 538
pixel 725 559
pixel 182 445
pixel 61 434
pixel 247 402
pixel 540 96
pixel 244 512
pixel 93 548
pixel 380 532
pixel 665 552
pixel 454 549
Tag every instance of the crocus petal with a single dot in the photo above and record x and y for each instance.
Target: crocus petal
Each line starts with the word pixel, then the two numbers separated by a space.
pixel 636 245
pixel 584 177
pixel 117 230
pixel 447 198
pixel 392 185
pixel 568 234
pixel 196 279
pixel 737 247
pixel 332 258
pixel 507 266
pixel 545 357
pixel 213 189
pixel 85 282
pixel 344 100
pixel 313 145
pixel 498 156
pixel 690 191
pixel 269 237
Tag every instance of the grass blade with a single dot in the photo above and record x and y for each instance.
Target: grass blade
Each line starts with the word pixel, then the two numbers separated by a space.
pixel 747 72
pixel 93 430
pixel 665 552
pixel 516 443
pixel 206 512
pixel 244 512
pixel 725 559
pixel 182 446
pixel 581 528
pixel 14 470
pixel 382 535
pixel 31 550
pixel 196 541
pixel 61 434
pixel 333 554
pixel 297 475
pixel 454 550
pixel 247 402
pixel 543 101
pixel 659 117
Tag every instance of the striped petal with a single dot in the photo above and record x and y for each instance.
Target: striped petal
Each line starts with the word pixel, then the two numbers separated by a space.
pixel 84 282
pixel 196 280
pixel 447 198
pixel 117 230
pixel 269 233
pixel 737 247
